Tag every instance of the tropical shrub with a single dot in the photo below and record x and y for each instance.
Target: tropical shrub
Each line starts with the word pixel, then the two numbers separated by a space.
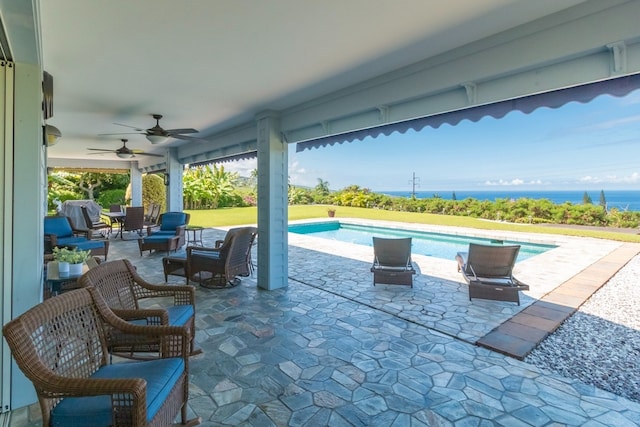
pixel 111 197
pixel 209 187
pixel 153 191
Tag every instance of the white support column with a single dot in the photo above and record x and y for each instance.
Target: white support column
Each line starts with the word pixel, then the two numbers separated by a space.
pixel 136 184
pixel 174 181
pixel 24 181
pixel 273 252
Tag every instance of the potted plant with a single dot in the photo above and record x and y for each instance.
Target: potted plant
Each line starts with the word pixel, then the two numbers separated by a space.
pixel 70 260
pixel 331 212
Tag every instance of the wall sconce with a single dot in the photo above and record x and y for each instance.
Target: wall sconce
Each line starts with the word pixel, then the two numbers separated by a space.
pixel 166 179
pixel 51 134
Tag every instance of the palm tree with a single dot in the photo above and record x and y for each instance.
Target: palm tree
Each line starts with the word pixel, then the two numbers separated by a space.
pixel 322 188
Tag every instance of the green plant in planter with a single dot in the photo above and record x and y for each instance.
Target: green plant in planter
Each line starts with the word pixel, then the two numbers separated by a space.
pixel 72 256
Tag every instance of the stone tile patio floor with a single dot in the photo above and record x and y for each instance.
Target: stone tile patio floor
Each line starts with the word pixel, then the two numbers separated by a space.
pixel 331 349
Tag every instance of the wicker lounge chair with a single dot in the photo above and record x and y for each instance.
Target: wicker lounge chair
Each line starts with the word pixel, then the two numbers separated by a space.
pixel 392 261
pixel 61 346
pixel 122 288
pixel 220 267
pixel 489 272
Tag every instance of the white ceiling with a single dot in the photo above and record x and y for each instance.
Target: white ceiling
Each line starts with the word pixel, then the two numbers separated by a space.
pixel 213 64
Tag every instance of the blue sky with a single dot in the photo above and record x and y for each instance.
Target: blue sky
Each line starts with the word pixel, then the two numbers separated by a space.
pixel 582 147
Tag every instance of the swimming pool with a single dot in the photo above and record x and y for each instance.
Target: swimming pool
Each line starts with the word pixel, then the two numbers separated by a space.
pixel 437 245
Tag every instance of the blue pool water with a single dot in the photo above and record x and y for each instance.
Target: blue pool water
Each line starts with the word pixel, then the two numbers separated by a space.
pixel 438 245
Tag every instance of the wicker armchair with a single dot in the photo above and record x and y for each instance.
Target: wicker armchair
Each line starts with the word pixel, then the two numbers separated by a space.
pixel 61 346
pixel 219 267
pixel 168 235
pixel 59 231
pixel 122 288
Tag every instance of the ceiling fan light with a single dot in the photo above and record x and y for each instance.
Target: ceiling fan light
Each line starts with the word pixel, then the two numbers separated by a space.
pixel 125 155
pixel 53 134
pixel 157 139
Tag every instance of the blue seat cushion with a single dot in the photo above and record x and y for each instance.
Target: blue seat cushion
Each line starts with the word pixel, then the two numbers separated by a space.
pixel 214 255
pixel 166 233
pixel 158 237
pixel 172 220
pixel 81 243
pixel 58 226
pixel 95 411
pixel 179 315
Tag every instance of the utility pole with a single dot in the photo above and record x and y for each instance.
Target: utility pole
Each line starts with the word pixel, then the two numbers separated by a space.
pixel 415 182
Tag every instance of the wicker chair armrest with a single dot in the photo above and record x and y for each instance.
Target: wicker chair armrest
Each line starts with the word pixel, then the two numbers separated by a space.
pixel 181 230
pixel 174 340
pixel 200 249
pixel 58 386
pixel 53 238
pixel 150 229
pixel 155 316
pixel 82 233
pixel 182 294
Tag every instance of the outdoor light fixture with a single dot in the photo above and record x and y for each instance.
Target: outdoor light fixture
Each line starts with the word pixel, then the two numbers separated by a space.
pixel 157 139
pixel 125 155
pixel 52 134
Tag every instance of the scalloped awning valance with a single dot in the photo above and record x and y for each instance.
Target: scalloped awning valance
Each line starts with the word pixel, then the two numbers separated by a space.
pixel 620 86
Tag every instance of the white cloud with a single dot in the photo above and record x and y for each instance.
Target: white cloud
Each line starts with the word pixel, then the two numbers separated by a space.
pixel 634 178
pixel 503 183
pixel 242 167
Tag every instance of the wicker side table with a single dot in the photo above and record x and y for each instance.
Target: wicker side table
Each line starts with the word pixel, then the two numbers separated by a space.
pixel 176 266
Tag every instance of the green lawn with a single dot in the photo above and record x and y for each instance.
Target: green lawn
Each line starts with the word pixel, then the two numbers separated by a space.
pixel 238 216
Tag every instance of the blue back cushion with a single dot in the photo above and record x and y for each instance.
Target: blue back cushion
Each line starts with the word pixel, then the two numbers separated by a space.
pixel 58 225
pixel 172 220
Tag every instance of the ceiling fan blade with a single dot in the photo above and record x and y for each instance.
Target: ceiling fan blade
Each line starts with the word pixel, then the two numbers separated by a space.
pixel 171 132
pixel 101 149
pixel 189 138
pixel 148 154
pixel 124 133
pixel 128 126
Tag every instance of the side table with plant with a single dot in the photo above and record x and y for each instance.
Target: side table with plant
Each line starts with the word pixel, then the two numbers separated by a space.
pixel 70 260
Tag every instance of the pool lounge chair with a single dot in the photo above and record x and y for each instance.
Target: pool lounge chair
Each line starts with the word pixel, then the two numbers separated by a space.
pixel 489 272
pixel 392 261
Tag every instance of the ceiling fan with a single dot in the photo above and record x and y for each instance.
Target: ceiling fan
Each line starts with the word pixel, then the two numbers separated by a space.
pixel 157 134
pixel 124 152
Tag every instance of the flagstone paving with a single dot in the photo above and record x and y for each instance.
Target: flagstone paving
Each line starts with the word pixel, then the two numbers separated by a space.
pixel 332 349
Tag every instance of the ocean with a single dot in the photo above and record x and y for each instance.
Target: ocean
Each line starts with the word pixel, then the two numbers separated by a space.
pixel 628 200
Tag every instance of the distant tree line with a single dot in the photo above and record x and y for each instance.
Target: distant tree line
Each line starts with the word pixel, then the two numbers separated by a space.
pixel 522 210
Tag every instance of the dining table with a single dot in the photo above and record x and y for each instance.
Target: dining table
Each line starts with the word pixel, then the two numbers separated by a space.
pixel 116 217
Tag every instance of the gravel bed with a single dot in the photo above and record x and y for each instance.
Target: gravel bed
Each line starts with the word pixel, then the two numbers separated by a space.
pixel 600 343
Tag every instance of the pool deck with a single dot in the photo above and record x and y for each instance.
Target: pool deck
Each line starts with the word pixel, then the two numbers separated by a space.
pixel 561 280
pixel 332 349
